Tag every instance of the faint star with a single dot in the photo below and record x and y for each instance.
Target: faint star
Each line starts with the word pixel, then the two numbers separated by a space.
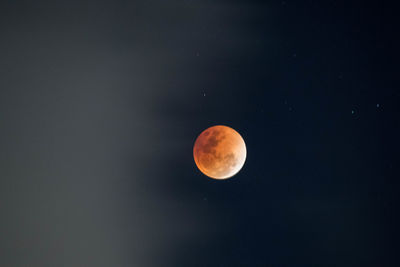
pixel 377 105
pixel 352 112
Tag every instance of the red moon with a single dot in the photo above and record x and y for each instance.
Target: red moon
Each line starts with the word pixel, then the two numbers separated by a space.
pixel 219 152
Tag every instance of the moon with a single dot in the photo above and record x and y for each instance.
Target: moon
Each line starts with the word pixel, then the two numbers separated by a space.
pixel 219 152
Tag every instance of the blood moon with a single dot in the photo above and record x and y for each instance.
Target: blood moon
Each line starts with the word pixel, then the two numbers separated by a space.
pixel 219 152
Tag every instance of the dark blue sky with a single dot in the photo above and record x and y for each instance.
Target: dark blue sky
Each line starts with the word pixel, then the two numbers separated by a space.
pixel 101 102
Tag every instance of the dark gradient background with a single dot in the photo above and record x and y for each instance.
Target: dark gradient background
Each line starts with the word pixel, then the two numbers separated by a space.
pixel 101 101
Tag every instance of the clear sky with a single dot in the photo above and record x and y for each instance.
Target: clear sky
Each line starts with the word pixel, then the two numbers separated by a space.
pixel 101 102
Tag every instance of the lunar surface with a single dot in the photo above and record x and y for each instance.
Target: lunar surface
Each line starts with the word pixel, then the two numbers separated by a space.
pixel 219 152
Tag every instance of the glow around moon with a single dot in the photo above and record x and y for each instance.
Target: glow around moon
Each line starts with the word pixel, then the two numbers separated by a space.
pixel 219 152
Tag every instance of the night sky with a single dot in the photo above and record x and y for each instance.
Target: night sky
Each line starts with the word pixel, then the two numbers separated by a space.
pixel 101 102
